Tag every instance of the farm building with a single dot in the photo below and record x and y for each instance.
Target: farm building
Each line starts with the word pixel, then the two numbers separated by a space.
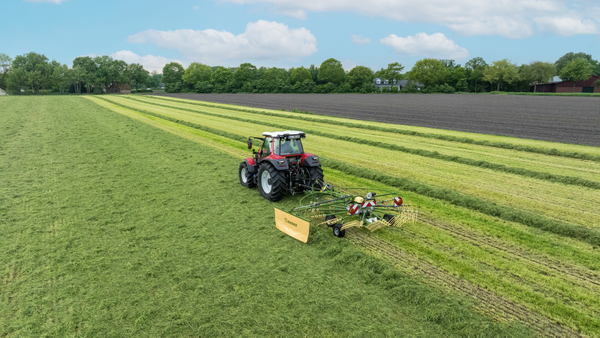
pixel 121 89
pixel 586 86
pixel 2 92
pixel 379 83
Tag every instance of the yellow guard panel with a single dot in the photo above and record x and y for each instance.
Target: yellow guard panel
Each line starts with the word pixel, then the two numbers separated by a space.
pixel 292 225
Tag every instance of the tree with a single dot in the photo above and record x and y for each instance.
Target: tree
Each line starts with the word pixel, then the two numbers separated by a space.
pixel 392 73
pixel 576 70
pixel 5 62
pixel 196 73
pixel 34 71
pixel 429 72
pixel 61 77
pixel 137 74
pixel 538 72
pixel 501 71
pixel 562 62
pixel 172 74
pixel 245 72
pixel 222 79
pixel 86 72
pixel 597 83
pixel 314 71
pixel 331 70
pixel 272 75
pixel 300 74
pixel 475 68
pixel 458 78
pixel 360 76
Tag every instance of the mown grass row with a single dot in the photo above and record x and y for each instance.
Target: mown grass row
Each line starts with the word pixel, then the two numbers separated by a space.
pixel 570 180
pixel 561 202
pixel 503 145
pixel 452 196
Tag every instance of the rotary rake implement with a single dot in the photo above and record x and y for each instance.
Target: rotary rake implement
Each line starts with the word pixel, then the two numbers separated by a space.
pixel 347 208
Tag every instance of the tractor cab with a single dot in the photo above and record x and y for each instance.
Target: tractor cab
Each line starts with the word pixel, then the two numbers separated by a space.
pixel 280 144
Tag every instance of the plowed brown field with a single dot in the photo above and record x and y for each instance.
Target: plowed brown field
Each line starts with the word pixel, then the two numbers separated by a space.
pixel 555 118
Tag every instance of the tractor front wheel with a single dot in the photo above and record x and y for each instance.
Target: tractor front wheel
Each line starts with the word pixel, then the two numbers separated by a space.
pixel 246 178
pixel 271 182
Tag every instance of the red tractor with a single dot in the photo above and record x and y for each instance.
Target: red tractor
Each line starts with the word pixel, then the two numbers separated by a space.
pixel 280 166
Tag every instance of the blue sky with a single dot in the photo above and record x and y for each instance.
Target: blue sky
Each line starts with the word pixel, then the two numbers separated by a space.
pixel 291 33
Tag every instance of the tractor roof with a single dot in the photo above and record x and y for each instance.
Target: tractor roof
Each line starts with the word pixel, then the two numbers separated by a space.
pixel 278 134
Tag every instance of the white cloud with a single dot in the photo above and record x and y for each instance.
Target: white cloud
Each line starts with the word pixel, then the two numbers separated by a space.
pixel 358 39
pixel 436 45
pixel 508 18
pixel 349 64
pixel 58 2
pixel 150 62
pixel 565 26
pixel 262 40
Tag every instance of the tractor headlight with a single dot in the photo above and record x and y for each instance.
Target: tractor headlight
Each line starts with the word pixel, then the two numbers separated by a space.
pixel 281 162
pixel 316 158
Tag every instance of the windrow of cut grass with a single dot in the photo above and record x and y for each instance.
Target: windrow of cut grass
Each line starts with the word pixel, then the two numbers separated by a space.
pixel 420 152
pixel 551 276
pixel 471 202
pixel 571 204
pixel 113 239
pixel 587 154
pixel 535 162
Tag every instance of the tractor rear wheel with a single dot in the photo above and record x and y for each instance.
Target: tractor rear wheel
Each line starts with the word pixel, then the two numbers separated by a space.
pixel 271 182
pixel 316 176
pixel 246 178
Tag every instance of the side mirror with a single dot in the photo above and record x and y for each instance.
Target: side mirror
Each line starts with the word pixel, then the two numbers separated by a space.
pixel 249 143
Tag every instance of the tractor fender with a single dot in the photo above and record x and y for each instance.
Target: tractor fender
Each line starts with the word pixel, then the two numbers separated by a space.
pixel 310 160
pixel 278 162
pixel 252 167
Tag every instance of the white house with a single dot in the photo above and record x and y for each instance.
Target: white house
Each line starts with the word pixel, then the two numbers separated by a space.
pixel 379 83
pixel 2 92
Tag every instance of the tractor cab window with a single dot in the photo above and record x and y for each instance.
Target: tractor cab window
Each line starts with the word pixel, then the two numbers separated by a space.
pixel 289 146
pixel 266 148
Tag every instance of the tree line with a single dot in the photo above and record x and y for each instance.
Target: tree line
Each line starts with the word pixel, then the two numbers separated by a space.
pixel 427 75
pixel 33 73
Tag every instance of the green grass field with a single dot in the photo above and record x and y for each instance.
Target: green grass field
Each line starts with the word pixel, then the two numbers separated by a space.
pixel 123 216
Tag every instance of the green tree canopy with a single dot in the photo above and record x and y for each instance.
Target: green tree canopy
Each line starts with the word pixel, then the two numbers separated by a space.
pixel 300 74
pixel 576 70
pixel 137 74
pixel 196 73
pixel 562 62
pixel 331 70
pixel 391 73
pixel 538 72
pixel 172 74
pixel 245 72
pixel 501 71
pixel 429 72
pixel 221 76
pixel 360 75
pixel 273 74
